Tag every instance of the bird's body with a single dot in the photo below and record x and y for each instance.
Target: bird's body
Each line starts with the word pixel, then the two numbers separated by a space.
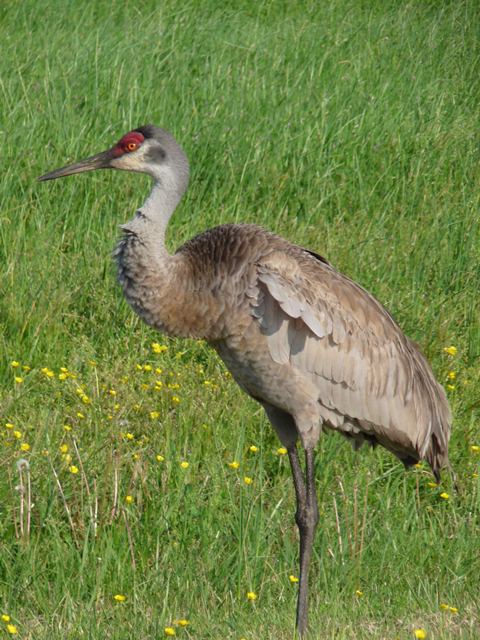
pixel 295 333
pixel 312 346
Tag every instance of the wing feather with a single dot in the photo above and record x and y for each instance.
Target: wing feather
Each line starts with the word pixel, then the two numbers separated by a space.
pixel 368 374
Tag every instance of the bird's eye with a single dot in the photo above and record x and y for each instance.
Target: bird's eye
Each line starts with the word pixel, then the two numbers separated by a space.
pixel 131 146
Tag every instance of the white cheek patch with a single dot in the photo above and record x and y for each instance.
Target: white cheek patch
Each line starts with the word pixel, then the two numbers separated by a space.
pixel 130 161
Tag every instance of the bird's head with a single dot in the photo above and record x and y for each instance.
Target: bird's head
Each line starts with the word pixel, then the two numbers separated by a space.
pixel 147 149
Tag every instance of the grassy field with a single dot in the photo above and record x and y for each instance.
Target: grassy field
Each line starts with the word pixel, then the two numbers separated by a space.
pixel 350 127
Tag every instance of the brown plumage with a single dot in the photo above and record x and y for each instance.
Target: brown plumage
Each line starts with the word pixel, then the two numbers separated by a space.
pixel 312 346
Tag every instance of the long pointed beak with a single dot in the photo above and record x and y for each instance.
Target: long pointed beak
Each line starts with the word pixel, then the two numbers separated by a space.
pixel 98 161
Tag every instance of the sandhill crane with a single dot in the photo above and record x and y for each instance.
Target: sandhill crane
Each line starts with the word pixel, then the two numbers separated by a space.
pixel 314 348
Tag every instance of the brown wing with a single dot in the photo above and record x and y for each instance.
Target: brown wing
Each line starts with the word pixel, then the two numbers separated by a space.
pixel 367 372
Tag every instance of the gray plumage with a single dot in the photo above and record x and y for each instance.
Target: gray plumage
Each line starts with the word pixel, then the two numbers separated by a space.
pixel 312 346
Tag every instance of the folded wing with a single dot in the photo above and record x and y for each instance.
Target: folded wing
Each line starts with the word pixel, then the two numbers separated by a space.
pixel 372 380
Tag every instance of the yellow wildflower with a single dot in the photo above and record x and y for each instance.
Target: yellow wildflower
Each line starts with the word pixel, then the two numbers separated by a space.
pixel 9 425
pixel 119 597
pixel 175 399
pixel 158 348
pixel 420 634
pixel 80 415
pixel 451 387
pixel 154 415
pixel 18 380
pixel 63 448
pixel 5 617
pixel 293 579
pixel 112 392
pixel 136 456
pixel 12 629
pixel 445 495
pixel 169 631
pixel 359 593
pixel 129 436
pixel 14 364
pixel 475 448
pixel 253 448
pixel 183 622
pixel 67 427
pixel 147 367
pixel 234 464
pixel 129 499
pixel 251 595
pixel 24 446
pixel 25 367
pixel 62 376
pixel 282 451
pixel 73 469
pixel 452 351
pixel 67 457
pixel 451 375
pixel 432 485
pixel 247 480
pixel 17 434
pixel 184 464
pixel 159 458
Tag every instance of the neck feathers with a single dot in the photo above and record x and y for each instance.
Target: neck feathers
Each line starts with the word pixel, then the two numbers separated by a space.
pixel 148 274
pixel 151 221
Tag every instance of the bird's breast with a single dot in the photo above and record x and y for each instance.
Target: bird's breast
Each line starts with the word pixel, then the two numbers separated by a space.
pixel 166 293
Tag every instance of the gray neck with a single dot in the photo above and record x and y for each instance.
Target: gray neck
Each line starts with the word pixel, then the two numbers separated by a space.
pixel 151 220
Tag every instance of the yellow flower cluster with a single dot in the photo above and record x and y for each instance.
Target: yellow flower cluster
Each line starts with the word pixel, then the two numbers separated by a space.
pixel 447 607
pixel 170 631
pixel 9 627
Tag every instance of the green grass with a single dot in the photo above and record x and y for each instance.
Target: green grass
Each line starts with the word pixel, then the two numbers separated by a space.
pixel 350 127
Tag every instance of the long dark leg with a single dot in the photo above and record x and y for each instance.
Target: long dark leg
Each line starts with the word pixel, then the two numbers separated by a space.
pixel 307 508
pixel 307 519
